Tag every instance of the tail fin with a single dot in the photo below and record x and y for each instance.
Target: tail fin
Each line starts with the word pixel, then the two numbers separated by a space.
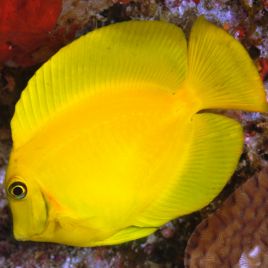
pixel 221 73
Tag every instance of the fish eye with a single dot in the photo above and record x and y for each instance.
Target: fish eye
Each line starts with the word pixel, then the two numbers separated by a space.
pixel 17 190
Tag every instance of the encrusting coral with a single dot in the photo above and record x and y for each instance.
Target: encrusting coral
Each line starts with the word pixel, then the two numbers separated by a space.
pixel 236 234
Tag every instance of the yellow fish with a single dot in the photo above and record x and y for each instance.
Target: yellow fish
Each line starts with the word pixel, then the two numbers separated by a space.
pixel 112 137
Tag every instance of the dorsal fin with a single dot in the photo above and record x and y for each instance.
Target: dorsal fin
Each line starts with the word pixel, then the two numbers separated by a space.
pixel 135 52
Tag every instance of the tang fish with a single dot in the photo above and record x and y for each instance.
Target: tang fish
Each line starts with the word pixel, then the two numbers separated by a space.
pixel 114 136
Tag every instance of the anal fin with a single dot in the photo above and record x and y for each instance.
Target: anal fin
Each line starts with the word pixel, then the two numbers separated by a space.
pixel 210 158
pixel 127 234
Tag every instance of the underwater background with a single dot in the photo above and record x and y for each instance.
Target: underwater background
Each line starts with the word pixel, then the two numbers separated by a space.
pixel 30 33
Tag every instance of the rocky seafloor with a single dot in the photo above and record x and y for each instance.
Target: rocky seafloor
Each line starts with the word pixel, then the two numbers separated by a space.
pixel 247 21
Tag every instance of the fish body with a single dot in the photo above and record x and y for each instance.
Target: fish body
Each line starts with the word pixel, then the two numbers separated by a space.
pixel 109 138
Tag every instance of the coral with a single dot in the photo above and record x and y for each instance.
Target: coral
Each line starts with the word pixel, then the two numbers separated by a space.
pixel 24 25
pixel 166 247
pixel 263 66
pixel 236 234
pixel 31 31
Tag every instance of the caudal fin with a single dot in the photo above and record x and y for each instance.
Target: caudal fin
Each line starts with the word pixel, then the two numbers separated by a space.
pixel 220 72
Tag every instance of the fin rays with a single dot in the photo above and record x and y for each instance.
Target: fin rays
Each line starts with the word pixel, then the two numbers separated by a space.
pixel 213 149
pixel 221 72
